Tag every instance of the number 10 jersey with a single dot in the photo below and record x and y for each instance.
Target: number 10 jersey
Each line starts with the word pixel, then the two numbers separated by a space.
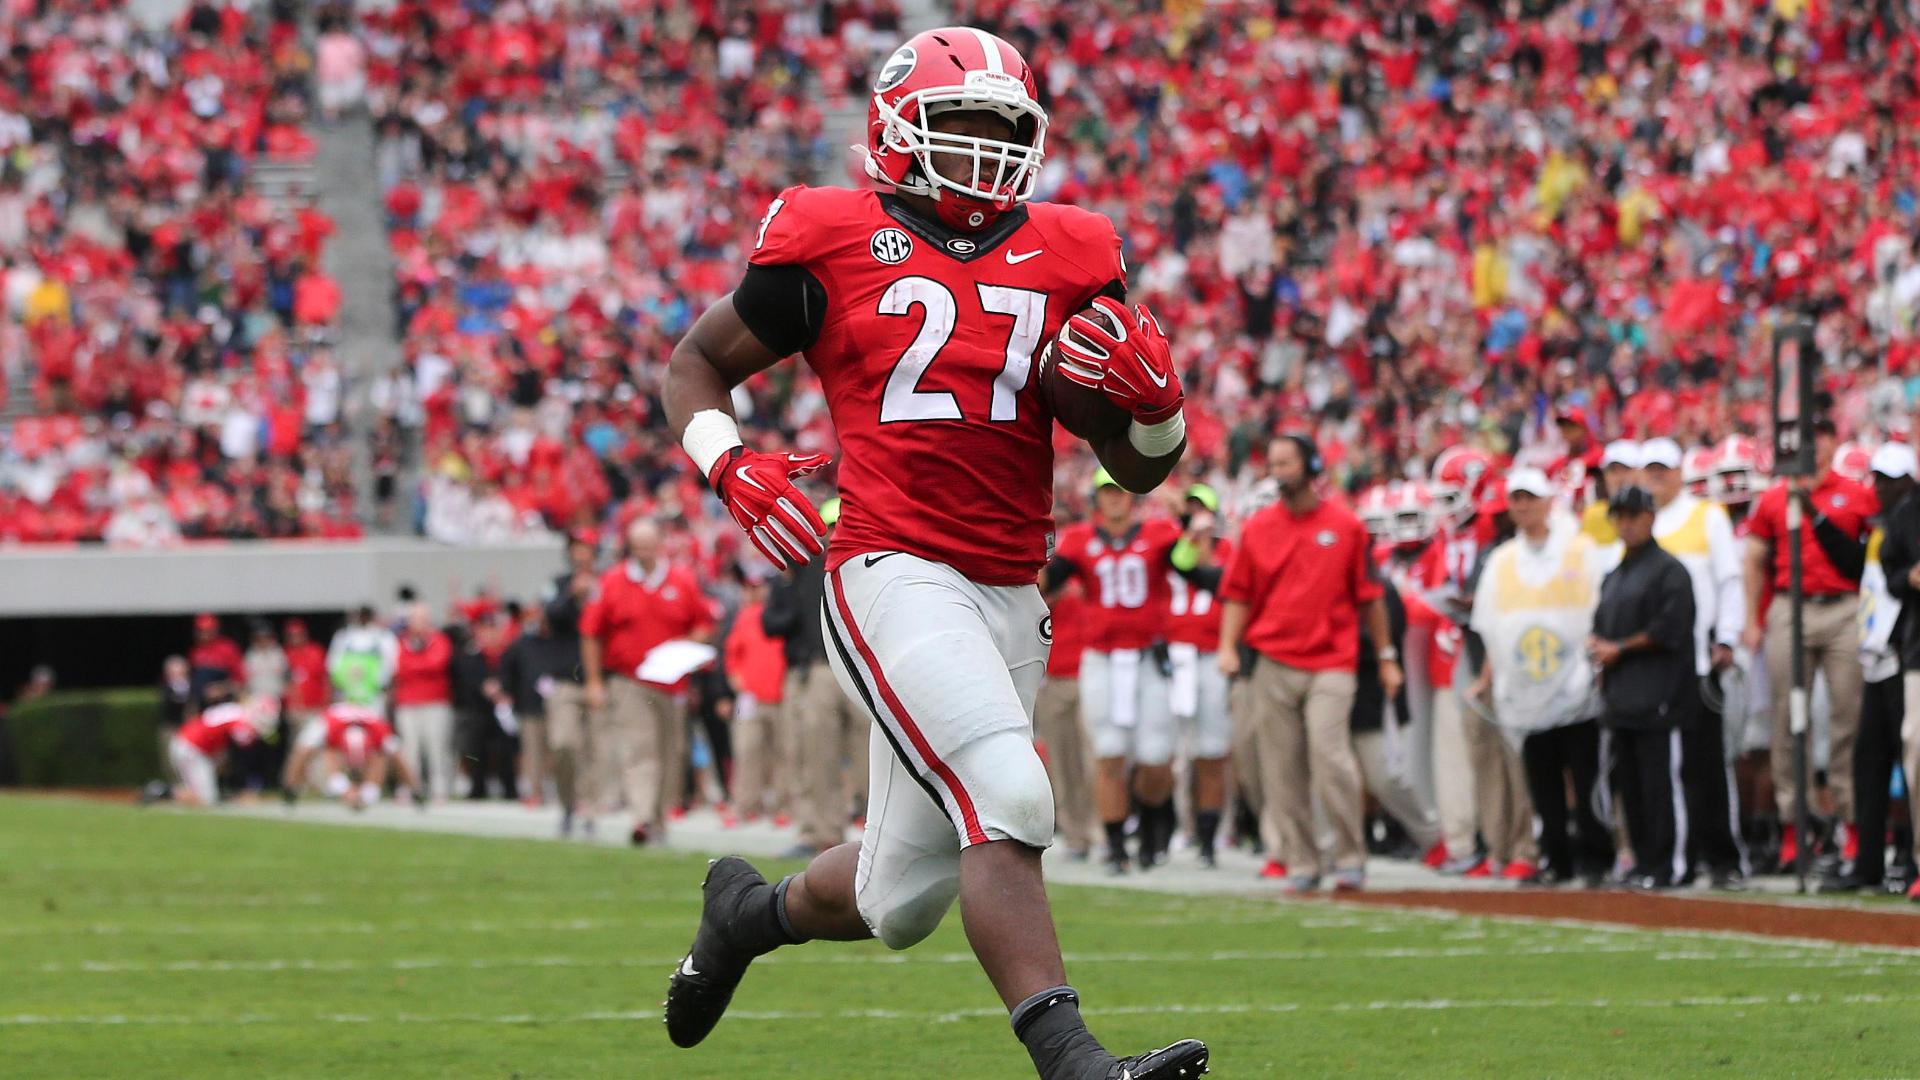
pixel 925 340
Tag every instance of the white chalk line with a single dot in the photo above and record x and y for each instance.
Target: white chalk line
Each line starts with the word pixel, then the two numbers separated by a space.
pixel 1771 958
pixel 1597 929
pixel 953 1016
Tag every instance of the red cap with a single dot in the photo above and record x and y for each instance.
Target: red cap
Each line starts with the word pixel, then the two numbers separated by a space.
pixel 293 625
pixel 206 620
pixel 1573 414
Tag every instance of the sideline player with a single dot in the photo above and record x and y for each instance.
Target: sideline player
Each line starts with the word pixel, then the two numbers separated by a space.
pixel 921 310
pixel 356 744
pixel 197 747
pixel 1121 563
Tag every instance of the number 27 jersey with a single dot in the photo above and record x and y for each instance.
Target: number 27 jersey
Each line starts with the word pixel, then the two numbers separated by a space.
pixel 925 348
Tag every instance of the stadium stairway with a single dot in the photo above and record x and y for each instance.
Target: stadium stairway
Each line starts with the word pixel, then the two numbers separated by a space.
pixel 358 258
pixel 846 122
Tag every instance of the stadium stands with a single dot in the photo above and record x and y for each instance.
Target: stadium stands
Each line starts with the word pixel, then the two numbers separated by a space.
pixel 166 323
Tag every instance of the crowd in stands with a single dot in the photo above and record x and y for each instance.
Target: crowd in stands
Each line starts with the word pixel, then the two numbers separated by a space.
pixel 565 190
pixel 164 326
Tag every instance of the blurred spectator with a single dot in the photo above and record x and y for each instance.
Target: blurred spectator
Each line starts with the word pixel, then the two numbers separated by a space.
pixel 489 749
pixel 756 667
pixel 218 666
pixel 642 603
pixel 361 660
pixel 423 701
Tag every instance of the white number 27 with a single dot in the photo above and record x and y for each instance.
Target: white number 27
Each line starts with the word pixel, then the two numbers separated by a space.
pixel 904 401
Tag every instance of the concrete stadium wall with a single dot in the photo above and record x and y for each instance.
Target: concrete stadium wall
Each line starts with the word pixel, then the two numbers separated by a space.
pixel 264 576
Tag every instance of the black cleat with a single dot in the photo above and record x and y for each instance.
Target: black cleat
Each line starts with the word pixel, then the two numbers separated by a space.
pixel 1186 1058
pixel 703 984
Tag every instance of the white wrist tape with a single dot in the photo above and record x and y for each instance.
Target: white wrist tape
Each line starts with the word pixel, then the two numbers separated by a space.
pixel 1152 440
pixel 709 434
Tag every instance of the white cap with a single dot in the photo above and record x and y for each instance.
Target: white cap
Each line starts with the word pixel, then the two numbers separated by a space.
pixel 1662 451
pixel 1621 452
pixel 1530 480
pixel 1896 459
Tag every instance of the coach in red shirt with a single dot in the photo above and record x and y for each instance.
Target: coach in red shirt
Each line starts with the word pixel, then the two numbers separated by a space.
pixel 642 603
pixel 1296 592
pixel 1838 509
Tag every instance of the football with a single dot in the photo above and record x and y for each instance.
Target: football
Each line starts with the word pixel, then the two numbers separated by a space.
pixel 1088 413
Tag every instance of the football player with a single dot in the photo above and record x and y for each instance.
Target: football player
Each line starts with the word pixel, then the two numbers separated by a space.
pixel 1124 566
pixel 357 745
pixel 921 310
pixel 196 749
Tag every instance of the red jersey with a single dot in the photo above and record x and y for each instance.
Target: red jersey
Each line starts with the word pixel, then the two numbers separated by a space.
pixel 421 674
pixel 925 352
pixel 356 731
pixel 1194 615
pixel 217 728
pixel 1069 624
pixel 1124 579
pixel 1842 501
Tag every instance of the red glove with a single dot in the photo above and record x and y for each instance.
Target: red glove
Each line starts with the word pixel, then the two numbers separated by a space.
pixel 1134 368
pixel 758 490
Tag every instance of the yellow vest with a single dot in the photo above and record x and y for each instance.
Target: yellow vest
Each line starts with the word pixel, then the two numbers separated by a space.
pixel 1597 526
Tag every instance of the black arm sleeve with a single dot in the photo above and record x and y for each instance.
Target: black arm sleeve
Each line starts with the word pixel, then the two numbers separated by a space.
pixel 784 306
pixel 1205 578
pixel 1847 553
pixel 1055 575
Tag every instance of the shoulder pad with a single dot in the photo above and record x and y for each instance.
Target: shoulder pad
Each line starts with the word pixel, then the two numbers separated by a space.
pixel 802 222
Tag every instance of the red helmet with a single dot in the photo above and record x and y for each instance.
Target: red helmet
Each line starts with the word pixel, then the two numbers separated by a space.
pixel 1738 469
pixel 1412 519
pixel 1374 507
pixel 1459 475
pixel 1697 468
pixel 951 69
pixel 1854 461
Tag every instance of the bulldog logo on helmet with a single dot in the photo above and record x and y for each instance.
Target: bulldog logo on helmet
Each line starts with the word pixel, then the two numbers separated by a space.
pixel 898 67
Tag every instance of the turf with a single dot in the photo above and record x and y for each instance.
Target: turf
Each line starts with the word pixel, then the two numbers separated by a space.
pixel 167 944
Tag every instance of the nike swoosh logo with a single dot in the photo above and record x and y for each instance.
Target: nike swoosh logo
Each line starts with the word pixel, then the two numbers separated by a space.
pixel 1016 260
pixel 746 476
pixel 871 559
pixel 1159 380
pixel 687 968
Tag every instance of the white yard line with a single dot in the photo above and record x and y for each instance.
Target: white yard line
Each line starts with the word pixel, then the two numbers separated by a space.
pixel 938 1017
pixel 1768 958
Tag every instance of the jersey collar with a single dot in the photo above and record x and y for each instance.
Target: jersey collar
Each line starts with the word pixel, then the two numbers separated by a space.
pixel 1117 541
pixel 963 247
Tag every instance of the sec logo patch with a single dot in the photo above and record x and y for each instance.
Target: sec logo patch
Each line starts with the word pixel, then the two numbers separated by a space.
pixel 891 246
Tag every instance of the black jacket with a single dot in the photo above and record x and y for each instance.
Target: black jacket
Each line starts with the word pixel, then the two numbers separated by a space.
pixel 1653 688
pixel 1369 696
pixel 1899 551
pixel 792 613
pixel 533 657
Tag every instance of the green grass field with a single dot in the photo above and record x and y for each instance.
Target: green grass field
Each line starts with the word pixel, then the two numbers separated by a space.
pixel 162 944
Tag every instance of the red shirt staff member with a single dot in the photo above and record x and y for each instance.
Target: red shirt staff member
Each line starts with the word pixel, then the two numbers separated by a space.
pixel 1839 509
pixel 641 603
pixel 423 700
pixel 1297 590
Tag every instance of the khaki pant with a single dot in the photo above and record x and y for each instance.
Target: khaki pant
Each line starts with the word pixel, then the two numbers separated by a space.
pixel 1306 752
pixel 426 738
pixel 1057 725
pixel 534 756
pixel 1453 783
pixel 1246 759
pixel 568 737
pixel 1500 789
pixel 1910 743
pixel 828 744
pixel 1832 636
pixel 759 761
pixel 645 736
